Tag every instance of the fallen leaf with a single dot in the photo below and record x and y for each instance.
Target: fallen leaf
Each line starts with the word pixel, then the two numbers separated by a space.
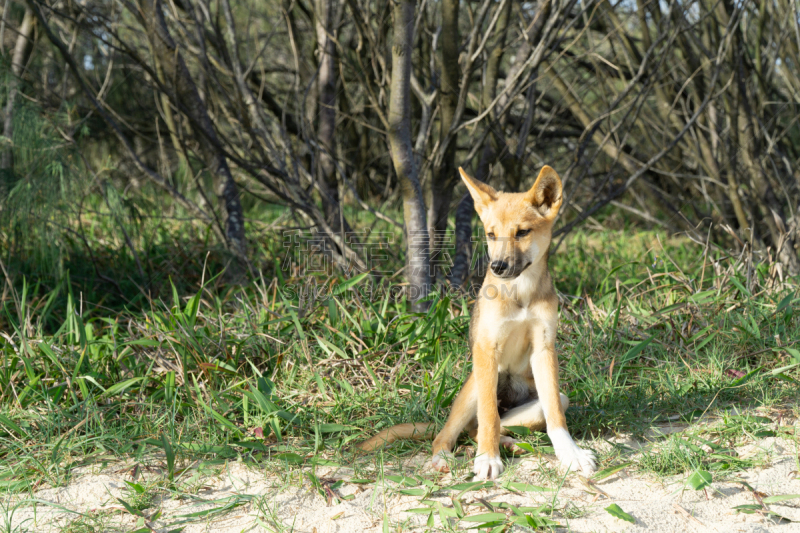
pixel 616 510
pixel 699 480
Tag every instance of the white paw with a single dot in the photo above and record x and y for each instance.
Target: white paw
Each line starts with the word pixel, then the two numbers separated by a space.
pixel 570 455
pixel 487 467
pixel 577 459
pixel 440 461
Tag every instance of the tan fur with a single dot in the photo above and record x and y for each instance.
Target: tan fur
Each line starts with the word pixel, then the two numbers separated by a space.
pixel 512 336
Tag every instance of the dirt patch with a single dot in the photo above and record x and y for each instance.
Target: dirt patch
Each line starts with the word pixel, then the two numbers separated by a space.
pixel 237 497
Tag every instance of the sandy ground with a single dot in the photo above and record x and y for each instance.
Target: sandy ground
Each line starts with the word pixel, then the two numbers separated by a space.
pixel 270 503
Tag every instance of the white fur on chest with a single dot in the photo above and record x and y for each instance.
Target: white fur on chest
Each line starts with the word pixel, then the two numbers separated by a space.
pixel 518 329
pixel 521 289
pixel 526 331
pixel 516 319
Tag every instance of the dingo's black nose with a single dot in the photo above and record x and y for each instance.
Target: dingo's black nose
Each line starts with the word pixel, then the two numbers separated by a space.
pixel 498 267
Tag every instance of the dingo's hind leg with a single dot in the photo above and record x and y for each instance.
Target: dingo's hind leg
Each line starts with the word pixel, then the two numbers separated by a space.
pixel 529 415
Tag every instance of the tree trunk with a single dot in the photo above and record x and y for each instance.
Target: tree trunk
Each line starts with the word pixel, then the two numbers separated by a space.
pixel 462 260
pixel 417 239
pixel 326 25
pixel 771 210
pixel 22 50
pixel 444 177
pixel 186 94
pixel 506 154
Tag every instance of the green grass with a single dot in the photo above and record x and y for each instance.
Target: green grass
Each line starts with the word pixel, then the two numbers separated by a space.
pixel 679 454
pixel 652 330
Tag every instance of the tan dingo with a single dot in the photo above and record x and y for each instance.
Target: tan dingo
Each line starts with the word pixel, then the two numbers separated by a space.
pixel 512 337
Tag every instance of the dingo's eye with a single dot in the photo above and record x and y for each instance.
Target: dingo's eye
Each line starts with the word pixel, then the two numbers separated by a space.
pixel 491 236
pixel 522 233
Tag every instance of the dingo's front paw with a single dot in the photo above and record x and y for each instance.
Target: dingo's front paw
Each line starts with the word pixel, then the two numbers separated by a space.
pixel 440 461
pixel 575 458
pixel 487 467
pixel 570 455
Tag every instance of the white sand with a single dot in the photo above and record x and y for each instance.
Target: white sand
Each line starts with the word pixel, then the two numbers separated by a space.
pixel 655 505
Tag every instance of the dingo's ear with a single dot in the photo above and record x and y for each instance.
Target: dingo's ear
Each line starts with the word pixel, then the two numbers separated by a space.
pixel 481 193
pixel 545 195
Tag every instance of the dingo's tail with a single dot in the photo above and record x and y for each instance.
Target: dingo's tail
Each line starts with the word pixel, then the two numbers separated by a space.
pixel 419 431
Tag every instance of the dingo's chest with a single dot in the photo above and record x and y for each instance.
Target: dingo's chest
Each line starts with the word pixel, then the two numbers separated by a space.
pixel 517 331
pixel 516 340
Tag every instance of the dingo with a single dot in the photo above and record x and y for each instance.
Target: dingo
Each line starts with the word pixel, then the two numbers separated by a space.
pixel 512 338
